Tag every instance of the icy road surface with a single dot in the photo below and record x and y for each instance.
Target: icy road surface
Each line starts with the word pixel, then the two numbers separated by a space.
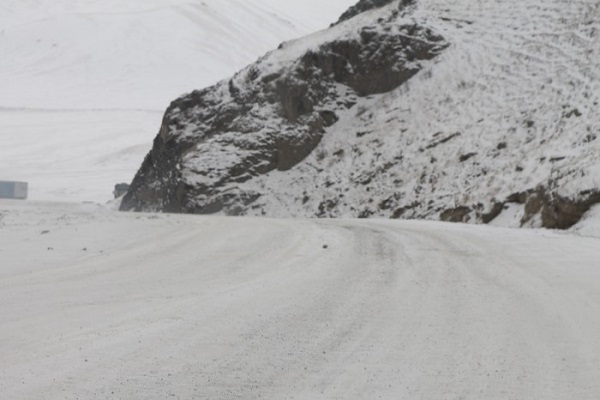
pixel 99 305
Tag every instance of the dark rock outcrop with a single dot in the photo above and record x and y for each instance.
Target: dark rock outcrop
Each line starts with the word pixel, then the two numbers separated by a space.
pixel 552 210
pixel 458 214
pixel 273 114
pixel 562 213
pixel 366 5
pixel 556 211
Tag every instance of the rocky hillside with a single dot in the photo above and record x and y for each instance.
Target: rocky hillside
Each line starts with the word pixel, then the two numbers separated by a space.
pixel 463 111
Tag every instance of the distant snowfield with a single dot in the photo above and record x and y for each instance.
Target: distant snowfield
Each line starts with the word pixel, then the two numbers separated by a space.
pixel 139 54
pixel 99 305
pixel 119 64
pixel 74 155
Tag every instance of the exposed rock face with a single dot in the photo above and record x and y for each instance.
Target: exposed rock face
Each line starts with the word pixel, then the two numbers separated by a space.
pixel 554 210
pixel 273 114
pixel 563 213
pixel 542 207
pixel 458 214
pixel 366 5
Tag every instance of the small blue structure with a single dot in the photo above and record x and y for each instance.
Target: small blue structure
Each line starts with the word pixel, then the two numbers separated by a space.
pixel 13 190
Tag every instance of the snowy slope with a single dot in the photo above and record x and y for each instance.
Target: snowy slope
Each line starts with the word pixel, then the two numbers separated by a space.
pixel 507 115
pixel 515 98
pixel 99 305
pixel 114 66
pixel 138 54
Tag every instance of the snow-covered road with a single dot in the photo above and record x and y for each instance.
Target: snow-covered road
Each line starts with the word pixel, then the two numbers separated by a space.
pixel 99 305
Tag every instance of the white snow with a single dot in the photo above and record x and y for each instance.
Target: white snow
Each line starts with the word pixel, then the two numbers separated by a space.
pixel 97 305
pixel 139 54
pixel 510 216
pixel 589 224
pixel 84 83
pixel 74 155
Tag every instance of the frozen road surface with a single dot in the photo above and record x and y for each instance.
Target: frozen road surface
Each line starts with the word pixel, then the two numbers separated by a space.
pixel 100 305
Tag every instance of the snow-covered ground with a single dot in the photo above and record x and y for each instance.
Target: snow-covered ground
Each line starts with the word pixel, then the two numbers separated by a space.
pixel 84 83
pixel 99 305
